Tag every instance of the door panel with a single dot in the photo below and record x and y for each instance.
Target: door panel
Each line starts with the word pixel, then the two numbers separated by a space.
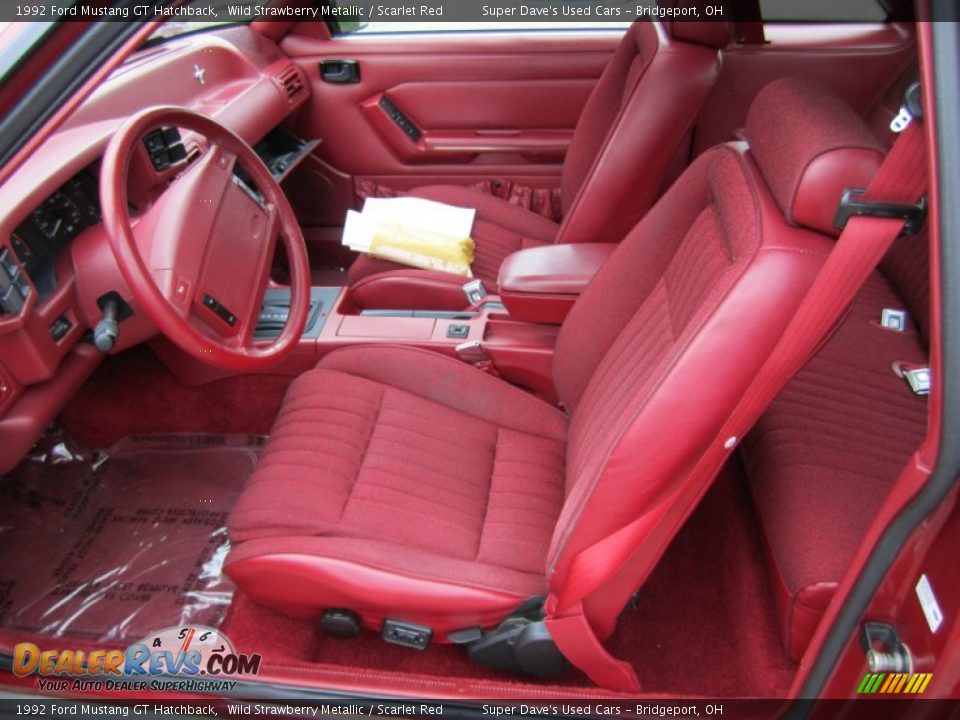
pixel 503 105
pixel 472 106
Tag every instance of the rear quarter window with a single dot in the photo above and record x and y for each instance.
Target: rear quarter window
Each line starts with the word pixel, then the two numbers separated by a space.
pixel 822 11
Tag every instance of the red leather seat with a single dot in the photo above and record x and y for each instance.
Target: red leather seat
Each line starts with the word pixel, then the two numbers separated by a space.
pixel 410 486
pixel 629 135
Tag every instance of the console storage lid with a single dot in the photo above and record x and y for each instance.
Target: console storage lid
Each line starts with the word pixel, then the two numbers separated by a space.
pixel 541 284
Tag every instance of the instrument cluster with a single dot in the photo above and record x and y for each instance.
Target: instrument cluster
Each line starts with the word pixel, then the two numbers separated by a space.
pixel 38 240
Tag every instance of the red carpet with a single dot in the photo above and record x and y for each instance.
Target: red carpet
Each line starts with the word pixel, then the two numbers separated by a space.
pixel 705 621
pixel 134 393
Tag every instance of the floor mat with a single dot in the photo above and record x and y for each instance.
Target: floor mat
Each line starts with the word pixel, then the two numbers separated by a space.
pixel 134 393
pixel 113 546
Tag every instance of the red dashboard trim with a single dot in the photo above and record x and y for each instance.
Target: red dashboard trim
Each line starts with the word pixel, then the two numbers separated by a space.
pixel 243 88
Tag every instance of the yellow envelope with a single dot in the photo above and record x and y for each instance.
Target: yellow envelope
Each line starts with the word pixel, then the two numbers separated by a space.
pixel 422 248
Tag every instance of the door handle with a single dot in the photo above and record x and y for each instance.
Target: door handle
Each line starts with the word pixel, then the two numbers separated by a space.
pixel 340 72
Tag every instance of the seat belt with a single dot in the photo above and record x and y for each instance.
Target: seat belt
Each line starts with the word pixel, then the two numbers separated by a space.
pixel 876 219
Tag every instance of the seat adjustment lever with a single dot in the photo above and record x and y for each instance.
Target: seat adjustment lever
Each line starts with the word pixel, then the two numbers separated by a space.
pixel 519 644
pixel 397 632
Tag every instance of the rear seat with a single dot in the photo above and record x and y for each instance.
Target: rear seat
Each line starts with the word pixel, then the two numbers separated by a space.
pixel 822 458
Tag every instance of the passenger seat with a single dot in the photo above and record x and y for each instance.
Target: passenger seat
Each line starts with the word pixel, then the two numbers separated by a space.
pixel 626 141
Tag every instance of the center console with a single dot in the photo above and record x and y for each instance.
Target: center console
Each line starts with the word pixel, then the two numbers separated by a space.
pixel 276 308
pixel 512 334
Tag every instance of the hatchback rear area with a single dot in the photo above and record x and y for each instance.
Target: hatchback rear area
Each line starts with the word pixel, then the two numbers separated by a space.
pixel 651 443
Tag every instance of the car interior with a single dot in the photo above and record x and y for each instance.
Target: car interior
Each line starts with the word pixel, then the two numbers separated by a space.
pixel 385 479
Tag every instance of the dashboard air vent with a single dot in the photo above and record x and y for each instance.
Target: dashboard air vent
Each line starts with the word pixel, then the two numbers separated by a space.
pixel 292 82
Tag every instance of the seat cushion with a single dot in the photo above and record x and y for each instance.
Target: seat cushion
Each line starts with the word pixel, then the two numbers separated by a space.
pixel 825 453
pixel 404 468
pixel 499 229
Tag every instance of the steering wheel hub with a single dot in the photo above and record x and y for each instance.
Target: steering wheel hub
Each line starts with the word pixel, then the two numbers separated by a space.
pixel 198 259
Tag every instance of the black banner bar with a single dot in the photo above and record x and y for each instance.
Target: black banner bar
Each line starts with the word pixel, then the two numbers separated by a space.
pixel 875 709
pixel 546 12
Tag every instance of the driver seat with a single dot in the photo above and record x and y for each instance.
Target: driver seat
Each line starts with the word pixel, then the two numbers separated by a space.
pixel 404 485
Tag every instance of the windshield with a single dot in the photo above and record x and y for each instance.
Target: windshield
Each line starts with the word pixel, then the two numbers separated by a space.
pixel 226 13
pixel 17 40
pixel 175 28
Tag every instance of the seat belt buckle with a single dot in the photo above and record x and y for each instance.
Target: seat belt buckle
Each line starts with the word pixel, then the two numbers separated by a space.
pixel 918 379
pixel 475 292
pixel 894 319
pixel 852 204
pixel 472 351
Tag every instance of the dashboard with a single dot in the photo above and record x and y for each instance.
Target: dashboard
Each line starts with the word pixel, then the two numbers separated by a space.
pixel 56 265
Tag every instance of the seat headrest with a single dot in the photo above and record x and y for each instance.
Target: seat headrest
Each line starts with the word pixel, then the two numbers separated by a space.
pixel 712 34
pixel 810 146
pixel 700 31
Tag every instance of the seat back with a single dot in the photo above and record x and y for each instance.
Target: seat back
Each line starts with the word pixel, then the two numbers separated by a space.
pixel 656 353
pixel 634 124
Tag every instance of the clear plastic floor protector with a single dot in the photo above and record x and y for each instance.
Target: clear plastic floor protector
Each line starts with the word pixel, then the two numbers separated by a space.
pixel 115 545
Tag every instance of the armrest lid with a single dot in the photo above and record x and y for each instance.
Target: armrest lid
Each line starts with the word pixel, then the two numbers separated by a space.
pixel 563 269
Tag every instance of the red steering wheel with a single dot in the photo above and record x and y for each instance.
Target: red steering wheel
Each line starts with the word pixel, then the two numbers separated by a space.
pixel 198 260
